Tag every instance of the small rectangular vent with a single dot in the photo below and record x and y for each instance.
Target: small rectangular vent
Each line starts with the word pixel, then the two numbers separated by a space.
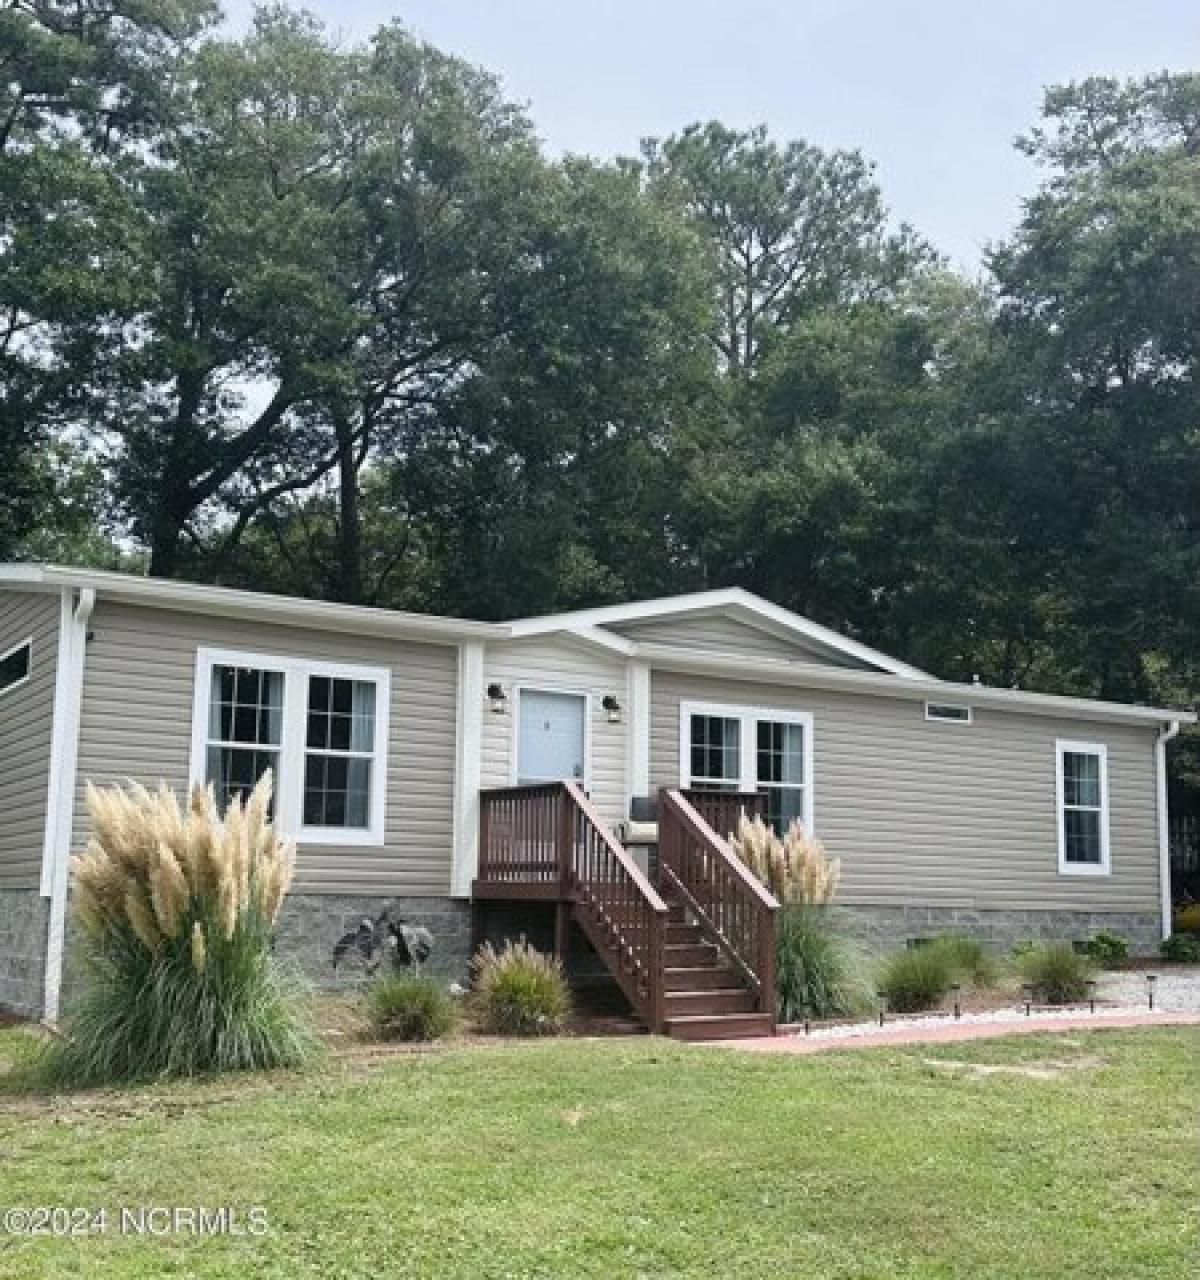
pixel 948 712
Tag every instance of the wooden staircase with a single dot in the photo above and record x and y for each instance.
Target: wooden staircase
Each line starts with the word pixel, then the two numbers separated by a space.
pixel 693 952
pixel 704 998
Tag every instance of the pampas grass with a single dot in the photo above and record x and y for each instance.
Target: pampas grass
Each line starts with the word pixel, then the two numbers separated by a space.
pixel 796 869
pixel 175 909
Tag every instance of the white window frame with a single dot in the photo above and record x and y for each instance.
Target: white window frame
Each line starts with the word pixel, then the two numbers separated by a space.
pixel 748 745
pixel 1062 747
pixel 289 786
pixel 27 643
pixel 514 771
pixel 968 719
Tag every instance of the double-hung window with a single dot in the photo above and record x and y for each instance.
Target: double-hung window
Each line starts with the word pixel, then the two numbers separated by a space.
pixel 1083 841
pixel 320 727
pixel 769 751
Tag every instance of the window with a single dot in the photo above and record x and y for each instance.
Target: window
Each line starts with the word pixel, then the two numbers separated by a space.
pixel 339 752
pixel 1083 847
pixel 245 728
pixel 750 749
pixel 716 755
pixel 321 727
pixel 15 665
pixel 948 712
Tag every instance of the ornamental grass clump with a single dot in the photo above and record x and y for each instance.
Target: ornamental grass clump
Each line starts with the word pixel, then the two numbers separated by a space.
pixel 176 908
pixel 519 991
pixel 916 978
pixel 406 1006
pixel 818 971
pixel 1057 972
pixel 795 869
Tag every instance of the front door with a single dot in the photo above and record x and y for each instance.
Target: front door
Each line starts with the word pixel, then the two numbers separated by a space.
pixel 551 732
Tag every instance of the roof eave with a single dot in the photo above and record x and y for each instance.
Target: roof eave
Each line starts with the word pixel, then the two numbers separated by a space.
pixel 810 675
pixel 165 593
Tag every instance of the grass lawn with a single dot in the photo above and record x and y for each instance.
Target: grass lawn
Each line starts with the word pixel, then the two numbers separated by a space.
pixel 1056 1156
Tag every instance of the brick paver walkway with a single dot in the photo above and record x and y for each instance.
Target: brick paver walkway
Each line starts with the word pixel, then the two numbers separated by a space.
pixel 952 1032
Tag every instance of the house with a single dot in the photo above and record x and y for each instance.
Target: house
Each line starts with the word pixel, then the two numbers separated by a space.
pixel 454 768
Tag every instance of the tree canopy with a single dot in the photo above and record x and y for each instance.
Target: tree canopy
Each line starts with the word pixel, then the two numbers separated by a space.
pixel 286 312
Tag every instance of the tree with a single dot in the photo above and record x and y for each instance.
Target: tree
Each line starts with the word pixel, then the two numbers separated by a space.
pixel 788 228
pixel 81 85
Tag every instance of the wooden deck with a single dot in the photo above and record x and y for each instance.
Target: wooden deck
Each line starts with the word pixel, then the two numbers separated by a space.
pixel 693 951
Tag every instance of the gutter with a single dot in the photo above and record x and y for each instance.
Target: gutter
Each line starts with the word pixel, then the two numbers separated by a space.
pixel 1165 734
pixel 807 675
pixel 60 810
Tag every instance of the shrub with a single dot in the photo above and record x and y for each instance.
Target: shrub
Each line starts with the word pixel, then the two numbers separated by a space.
pixel 969 960
pixel 519 991
pixel 1107 949
pixel 1057 972
pixel 816 968
pixel 795 869
pixel 916 978
pixel 406 1006
pixel 1181 948
pixel 175 911
pixel 1022 947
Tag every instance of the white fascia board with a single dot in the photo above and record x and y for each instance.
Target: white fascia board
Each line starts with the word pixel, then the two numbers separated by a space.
pixel 257 606
pixel 583 636
pixel 813 676
pixel 733 600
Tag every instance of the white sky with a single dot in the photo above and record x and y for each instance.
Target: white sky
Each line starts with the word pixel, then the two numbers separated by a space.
pixel 933 91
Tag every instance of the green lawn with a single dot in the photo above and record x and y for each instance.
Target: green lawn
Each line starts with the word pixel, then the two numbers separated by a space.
pixel 1048 1156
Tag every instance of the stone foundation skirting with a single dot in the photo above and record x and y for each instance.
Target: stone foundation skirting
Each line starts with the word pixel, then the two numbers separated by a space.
pixel 880 928
pixel 311 924
pixel 24 915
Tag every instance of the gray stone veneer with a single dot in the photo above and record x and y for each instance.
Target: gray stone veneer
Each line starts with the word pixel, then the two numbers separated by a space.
pixel 882 927
pixel 23 917
pixel 310 925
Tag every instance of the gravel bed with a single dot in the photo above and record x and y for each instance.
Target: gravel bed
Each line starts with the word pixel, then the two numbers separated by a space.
pixel 1177 989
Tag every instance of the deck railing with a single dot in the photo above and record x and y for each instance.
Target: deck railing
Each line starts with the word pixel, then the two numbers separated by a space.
pixel 738 912
pixel 519 831
pixel 1184 842
pixel 722 809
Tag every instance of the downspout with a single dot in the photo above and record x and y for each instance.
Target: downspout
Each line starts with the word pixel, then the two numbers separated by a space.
pixel 72 656
pixel 1165 734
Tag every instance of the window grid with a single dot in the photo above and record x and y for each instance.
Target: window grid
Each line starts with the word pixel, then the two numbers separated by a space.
pixel 322 728
pixel 1083 818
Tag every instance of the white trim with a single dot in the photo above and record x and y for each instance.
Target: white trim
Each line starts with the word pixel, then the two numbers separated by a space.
pixel 468 766
pixel 1164 836
pixel 289 804
pixel 747 745
pixel 802 675
pixel 72 656
pixel 638 747
pixel 568 691
pixel 727 599
pixel 59 732
pixel 27 643
pixel 1104 867
pixel 163 593
pixel 931 703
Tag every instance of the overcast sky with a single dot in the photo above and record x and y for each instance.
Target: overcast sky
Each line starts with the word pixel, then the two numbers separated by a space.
pixel 933 91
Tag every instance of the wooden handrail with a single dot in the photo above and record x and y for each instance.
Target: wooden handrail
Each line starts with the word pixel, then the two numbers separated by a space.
pixel 730 902
pixel 622 855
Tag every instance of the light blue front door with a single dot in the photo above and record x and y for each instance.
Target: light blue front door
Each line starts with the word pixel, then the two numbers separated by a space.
pixel 550 736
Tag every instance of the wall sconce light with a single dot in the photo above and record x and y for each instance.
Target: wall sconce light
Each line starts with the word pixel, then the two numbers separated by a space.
pixel 613 707
pixel 497 698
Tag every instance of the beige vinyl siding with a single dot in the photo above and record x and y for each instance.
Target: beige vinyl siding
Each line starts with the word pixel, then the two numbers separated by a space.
pixel 715 633
pixel 539 663
pixel 26 725
pixel 922 813
pixel 137 722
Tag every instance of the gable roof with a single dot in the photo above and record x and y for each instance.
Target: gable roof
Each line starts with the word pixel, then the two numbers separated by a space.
pixel 733 602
